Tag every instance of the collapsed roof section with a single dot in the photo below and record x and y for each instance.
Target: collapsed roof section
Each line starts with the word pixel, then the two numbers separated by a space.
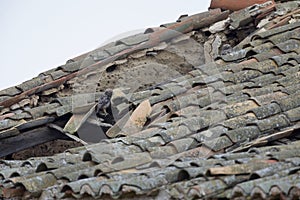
pixel 223 122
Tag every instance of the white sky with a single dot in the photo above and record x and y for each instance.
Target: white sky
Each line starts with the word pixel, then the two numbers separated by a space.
pixel 39 35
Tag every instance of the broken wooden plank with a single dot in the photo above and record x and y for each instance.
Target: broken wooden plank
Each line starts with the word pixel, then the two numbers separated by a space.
pixel 25 140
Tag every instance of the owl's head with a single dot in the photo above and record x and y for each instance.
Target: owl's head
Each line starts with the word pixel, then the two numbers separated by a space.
pixel 108 92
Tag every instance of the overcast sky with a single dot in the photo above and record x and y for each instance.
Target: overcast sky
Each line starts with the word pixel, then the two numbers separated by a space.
pixel 39 35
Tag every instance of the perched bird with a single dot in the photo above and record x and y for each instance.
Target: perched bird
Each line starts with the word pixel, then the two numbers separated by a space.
pixel 104 102
pixel 226 49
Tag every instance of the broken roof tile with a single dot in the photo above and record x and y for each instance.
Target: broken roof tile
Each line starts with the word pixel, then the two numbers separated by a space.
pixel 35 123
pixel 9 133
pixel 226 129
pixel 8 123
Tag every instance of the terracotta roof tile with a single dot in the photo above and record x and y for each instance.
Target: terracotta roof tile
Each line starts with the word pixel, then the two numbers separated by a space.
pixel 235 5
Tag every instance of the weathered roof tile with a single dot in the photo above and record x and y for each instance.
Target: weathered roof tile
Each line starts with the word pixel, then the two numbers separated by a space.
pixel 8 123
pixel 116 49
pixel 283 59
pixel 27 85
pixel 243 134
pixel 289 45
pixel 134 40
pixel 239 121
pixel 58 74
pixel 239 108
pixel 41 110
pixel 225 129
pixel 275 31
pixel 12 91
pixel 219 143
pixel 290 102
pixel 266 111
pixel 232 5
pixel 99 55
pixel 70 67
pixel 272 123
pixel 211 133
pixel 35 123
pixel 294 114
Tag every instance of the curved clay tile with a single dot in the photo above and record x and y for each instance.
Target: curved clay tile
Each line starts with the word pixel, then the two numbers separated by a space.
pixel 235 4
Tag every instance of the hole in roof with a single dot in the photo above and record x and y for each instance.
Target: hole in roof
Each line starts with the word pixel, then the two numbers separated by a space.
pixel 246 45
pixel 87 157
pixel 149 30
pixel 203 129
pixel 183 175
pixel 272 160
pixel 250 54
pixel 66 188
pixel 218 165
pixel 154 164
pixel 171 120
pixel 97 172
pixel 209 108
pixel 167 109
pixel 111 68
pixel 174 115
pixel 158 86
pixel 51 160
pixel 193 164
pixel 207 33
pixel 256 37
pixel 26 164
pixel 15 174
pixel 151 53
pixel 148 121
pixel 154 94
pixel 82 176
pixel 119 42
pixel 20 186
pixel 42 167
pixel 117 160
pixel 254 176
pixel 254 150
pixel 199 84
pixel 294 170
pixel 179 160
pixel 102 177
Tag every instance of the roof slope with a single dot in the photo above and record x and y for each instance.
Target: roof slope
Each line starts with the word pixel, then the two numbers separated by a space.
pixel 222 123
